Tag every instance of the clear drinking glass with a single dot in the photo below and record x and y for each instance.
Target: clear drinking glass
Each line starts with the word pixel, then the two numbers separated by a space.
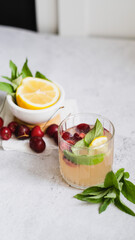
pixel 85 166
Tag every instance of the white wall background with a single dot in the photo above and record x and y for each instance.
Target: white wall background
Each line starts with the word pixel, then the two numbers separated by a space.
pixel 47 15
pixel 114 18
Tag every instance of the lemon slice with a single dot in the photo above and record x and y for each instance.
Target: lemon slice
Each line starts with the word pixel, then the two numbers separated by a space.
pixel 97 144
pixel 35 93
pixel 98 141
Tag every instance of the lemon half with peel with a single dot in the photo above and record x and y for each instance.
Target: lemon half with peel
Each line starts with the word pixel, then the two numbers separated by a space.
pixel 35 93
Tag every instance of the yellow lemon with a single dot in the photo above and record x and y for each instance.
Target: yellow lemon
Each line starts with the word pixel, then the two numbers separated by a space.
pixel 98 141
pixel 35 93
pixel 97 144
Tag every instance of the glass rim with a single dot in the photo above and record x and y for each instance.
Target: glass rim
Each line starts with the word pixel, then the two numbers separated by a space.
pixel 94 114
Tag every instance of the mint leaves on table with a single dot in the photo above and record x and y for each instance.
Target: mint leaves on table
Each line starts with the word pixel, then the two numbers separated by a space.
pixel 16 77
pixel 110 191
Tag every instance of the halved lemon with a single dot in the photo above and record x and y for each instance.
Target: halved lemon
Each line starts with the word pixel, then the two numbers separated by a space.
pixel 98 141
pixel 35 93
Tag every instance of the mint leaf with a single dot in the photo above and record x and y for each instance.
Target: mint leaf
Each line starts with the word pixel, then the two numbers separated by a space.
pixel 119 174
pixel 92 191
pixel 128 190
pixel 6 87
pixel 104 205
pixel 79 144
pixel 17 81
pixel 100 195
pixel 40 75
pixel 126 175
pixel 97 131
pixel 119 204
pixel 87 199
pixel 111 194
pixel 84 159
pixel 111 180
pixel 14 72
pixel 7 78
pixel 25 70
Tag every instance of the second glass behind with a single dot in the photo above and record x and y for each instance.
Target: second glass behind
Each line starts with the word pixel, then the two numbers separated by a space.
pixel 86 146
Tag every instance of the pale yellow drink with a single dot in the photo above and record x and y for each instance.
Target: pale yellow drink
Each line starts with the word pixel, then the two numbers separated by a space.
pixel 81 175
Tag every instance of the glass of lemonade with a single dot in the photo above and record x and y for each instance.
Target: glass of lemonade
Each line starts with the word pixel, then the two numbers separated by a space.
pixel 86 146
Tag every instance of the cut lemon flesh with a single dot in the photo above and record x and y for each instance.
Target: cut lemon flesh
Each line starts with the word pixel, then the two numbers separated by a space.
pixel 98 141
pixel 35 93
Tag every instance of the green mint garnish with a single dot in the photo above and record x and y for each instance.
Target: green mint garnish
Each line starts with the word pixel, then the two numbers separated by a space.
pixel 114 185
pixel 84 159
pixel 96 131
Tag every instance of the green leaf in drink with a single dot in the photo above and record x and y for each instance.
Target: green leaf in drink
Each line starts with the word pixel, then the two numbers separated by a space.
pixel 97 131
pixel 83 159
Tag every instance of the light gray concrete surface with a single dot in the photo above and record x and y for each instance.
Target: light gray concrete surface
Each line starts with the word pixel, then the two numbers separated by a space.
pixel 35 203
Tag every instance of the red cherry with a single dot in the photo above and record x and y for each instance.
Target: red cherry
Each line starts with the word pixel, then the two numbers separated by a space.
pixel 66 135
pixel 77 137
pixel 36 131
pixel 72 142
pixel 5 133
pixel 105 130
pixel 64 146
pixel 22 132
pixel 52 129
pixel 83 127
pixel 69 163
pixel 1 122
pixel 12 126
pixel 82 135
pixel 55 136
pixel 37 144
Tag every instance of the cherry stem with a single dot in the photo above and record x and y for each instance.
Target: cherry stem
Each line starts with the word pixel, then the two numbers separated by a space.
pixel 3 104
pixel 52 116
